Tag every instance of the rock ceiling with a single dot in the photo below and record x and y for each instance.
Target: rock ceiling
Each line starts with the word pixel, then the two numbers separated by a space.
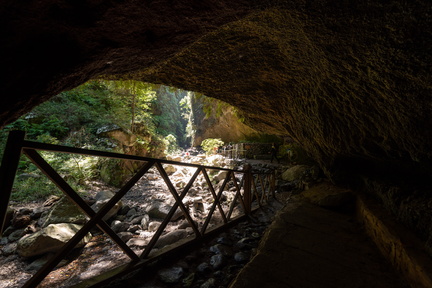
pixel 349 80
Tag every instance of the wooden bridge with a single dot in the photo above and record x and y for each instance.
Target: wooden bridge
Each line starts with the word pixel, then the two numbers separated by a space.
pixel 251 191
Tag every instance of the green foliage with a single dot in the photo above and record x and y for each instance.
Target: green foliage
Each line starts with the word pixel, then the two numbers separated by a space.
pixel 171 144
pixel 212 106
pixel 31 188
pixel 169 113
pixel 186 112
pixel 209 144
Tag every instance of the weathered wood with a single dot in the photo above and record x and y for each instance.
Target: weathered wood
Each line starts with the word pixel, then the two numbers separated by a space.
pixel 170 214
pixel 8 170
pixel 247 196
pixel 76 199
pixel 16 144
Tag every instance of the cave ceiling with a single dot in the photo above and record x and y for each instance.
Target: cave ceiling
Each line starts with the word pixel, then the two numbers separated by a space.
pixel 348 80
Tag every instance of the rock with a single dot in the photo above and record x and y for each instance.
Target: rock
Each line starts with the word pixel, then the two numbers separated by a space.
pixel 134 228
pixel 184 224
pixel 204 267
pixel 193 191
pixel 16 235
pixel 224 240
pixel 38 211
pixel 9 249
pixel 220 176
pixel 160 210
pixel 102 198
pixel 124 210
pixel 170 169
pixel 153 226
pixel 63 211
pixel 210 283
pixel 118 226
pixel 198 204
pixel 20 220
pixel 145 221
pixel 242 256
pixel 188 281
pixel 221 249
pixel 246 243
pixel 178 175
pixel 171 237
pixel 136 219
pixel 215 160
pixel 180 184
pixel 152 177
pixel 176 158
pixel 295 172
pixel 331 197
pixel 38 263
pixel 125 236
pixel 49 239
pixel 131 213
pixel 217 261
pixel 137 242
pixel 171 275
pixel 196 160
pixel 4 241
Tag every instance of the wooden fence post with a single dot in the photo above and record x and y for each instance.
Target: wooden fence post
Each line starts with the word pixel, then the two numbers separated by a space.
pixel 247 196
pixel 273 183
pixel 8 170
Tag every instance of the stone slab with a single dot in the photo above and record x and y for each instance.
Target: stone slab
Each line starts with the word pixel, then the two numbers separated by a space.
pixel 311 247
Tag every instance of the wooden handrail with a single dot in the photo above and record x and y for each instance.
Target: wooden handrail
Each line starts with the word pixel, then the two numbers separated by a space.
pixel 16 145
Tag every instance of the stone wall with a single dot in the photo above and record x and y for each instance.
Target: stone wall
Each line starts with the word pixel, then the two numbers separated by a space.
pixel 398 245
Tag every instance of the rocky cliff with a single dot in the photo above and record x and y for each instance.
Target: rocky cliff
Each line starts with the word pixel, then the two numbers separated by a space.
pixel 221 121
pixel 349 80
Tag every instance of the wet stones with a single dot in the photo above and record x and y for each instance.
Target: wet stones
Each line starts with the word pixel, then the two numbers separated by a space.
pixel 171 275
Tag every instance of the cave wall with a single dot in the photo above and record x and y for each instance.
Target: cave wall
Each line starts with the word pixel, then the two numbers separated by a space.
pixel 221 121
pixel 346 87
pixel 348 80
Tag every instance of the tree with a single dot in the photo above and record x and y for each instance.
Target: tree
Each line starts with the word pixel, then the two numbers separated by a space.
pixel 139 96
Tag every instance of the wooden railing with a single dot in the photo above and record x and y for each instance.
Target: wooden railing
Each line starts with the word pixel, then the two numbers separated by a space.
pixel 251 190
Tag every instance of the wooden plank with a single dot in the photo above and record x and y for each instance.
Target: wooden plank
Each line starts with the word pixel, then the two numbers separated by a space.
pixel 8 170
pixel 75 198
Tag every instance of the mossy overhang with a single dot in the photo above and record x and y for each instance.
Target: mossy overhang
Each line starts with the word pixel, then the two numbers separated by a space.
pixel 348 80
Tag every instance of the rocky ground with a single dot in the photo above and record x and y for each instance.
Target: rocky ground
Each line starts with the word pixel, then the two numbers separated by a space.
pixel 213 264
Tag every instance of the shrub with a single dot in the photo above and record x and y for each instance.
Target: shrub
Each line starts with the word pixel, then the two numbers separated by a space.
pixel 171 144
pixel 209 144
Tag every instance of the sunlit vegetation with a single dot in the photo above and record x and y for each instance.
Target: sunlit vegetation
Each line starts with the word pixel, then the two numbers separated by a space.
pixel 156 115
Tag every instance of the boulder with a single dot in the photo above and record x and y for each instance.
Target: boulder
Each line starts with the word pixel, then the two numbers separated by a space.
pixel 170 169
pixel 220 176
pixel 160 210
pixel 118 226
pixel 295 172
pixel 102 198
pixel 171 275
pixel 329 196
pixel 63 211
pixel 49 239
pixel 176 158
pixel 171 237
